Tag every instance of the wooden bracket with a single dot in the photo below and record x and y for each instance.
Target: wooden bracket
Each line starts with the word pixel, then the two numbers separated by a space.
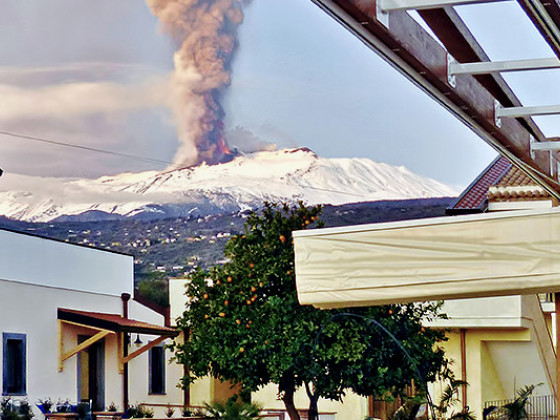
pixel 82 346
pixel 134 354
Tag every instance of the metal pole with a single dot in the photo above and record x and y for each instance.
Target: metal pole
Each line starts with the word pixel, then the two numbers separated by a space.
pixel 557 340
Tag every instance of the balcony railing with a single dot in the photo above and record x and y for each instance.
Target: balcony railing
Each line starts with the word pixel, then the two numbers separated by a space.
pixel 538 408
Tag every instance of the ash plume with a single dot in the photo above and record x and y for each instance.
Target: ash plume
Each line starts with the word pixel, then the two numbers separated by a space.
pixel 206 31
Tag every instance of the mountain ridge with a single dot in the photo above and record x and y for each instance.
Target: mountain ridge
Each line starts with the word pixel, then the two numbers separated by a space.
pixel 244 183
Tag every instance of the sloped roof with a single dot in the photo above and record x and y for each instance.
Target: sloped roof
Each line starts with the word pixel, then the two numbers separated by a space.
pixel 114 322
pixel 516 186
pixel 500 181
pixel 474 198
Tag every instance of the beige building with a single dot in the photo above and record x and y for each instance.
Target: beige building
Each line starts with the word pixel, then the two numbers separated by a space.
pixel 503 241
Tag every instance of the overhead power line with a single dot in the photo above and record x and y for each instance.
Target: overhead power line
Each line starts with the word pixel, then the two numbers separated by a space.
pixel 143 158
pixel 89 149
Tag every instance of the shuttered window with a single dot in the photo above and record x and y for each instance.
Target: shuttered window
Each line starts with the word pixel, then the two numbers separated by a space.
pixel 157 370
pixel 14 370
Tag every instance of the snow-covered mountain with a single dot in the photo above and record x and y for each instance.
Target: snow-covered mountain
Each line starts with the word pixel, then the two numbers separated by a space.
pixel 245 182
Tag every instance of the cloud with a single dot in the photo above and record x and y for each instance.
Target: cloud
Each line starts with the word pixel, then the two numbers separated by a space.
pixel 132 118
pixel 71 100
pixel 246 141
pixel 92 71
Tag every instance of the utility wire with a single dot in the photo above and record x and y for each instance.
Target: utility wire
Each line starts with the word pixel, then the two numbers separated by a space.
pixel 89 149
pixel 145 159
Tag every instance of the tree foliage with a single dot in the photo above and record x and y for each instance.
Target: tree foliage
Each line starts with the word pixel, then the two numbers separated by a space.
pixel 246 324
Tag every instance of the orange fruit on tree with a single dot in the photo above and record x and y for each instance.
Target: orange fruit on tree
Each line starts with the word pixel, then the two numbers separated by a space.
pixel 229 279
pixel 226 302
pixel 253 289
pixel 282 238
pixel 241 350
pixel 205 295
pixel 206 316
pixel 248 301
pixel 251 265
pixel 222 314
pixel 238 321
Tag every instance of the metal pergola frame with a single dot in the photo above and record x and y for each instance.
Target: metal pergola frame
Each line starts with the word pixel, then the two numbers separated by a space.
pixel 458 74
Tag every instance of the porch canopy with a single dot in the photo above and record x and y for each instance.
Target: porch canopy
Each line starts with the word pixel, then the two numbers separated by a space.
pixel 517 252
pixel 107 324
pixel 114 322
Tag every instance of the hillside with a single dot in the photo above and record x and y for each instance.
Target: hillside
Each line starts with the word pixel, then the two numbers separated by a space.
pixel 172 247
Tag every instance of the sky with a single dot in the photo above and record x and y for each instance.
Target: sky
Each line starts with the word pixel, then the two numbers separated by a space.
pixel 97 75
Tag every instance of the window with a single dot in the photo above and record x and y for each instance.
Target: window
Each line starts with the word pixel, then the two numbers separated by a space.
pixel 14 364
pixel 157 370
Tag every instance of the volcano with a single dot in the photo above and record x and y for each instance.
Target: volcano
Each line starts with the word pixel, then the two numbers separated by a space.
pixel 244 182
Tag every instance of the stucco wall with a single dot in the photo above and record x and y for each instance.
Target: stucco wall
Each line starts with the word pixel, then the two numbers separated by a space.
pixel 32 310
pixel 498 361
pixel 34 260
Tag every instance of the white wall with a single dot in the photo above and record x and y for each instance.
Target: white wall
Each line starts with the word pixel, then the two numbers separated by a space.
pixel 32 310
pixel 492 312
pixel 34 260
pixel 177 298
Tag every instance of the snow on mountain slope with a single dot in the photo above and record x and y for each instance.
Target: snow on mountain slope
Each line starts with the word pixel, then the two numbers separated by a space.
pixel 245 182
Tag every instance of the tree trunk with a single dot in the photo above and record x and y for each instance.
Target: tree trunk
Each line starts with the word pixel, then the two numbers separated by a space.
pixel 288 398
pixel 313 413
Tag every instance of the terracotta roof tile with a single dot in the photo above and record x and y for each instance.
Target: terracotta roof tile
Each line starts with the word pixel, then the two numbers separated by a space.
pixel 114 322
pixel 515 178
pixel 474 197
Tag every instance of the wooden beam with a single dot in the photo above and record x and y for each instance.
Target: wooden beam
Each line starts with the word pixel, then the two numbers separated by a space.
pixel 545 15
pixel 463 46
pixel 120 351
pixel 405 45
pixel 557 342
pixel 64 356
pixel 99 336
pixel 60 347
pixel 144 349
pixel 77 324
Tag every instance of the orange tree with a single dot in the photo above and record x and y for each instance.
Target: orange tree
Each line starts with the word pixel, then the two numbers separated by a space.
pixel 247 326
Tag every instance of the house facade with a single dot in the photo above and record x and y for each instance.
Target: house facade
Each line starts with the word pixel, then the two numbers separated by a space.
pixel 71 331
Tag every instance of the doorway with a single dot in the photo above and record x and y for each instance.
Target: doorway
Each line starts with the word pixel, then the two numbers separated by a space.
pixel 91 374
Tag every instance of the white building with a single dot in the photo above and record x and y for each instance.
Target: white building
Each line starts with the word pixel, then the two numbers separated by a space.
pixel 65 318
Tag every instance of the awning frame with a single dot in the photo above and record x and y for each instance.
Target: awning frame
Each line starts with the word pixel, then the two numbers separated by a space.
pixel 105 327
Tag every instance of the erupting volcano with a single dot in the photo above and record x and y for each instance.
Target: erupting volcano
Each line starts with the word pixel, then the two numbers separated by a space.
pixel 206 32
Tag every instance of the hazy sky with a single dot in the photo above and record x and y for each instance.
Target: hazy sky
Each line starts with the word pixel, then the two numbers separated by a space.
pixel 96 74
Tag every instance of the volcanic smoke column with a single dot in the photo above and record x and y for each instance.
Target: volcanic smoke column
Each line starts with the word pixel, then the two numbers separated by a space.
pixel 207 33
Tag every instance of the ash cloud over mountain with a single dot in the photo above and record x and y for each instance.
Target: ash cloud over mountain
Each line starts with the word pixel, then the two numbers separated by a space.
pixel 206 34
pixel 247 141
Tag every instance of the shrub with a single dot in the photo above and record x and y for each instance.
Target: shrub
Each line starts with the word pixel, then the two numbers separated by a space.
pixel 233 409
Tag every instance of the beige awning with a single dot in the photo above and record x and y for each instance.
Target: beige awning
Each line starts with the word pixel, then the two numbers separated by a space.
pixel 440 258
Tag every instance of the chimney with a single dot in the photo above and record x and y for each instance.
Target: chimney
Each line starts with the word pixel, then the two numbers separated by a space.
pixel 125 297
